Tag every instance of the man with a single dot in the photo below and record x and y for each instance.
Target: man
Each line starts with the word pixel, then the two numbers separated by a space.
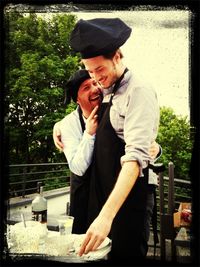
pixel 128 124
pixel 78 133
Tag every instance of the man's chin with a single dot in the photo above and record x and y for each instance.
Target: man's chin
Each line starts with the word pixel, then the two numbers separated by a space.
pixel 105 85
pixel 96 103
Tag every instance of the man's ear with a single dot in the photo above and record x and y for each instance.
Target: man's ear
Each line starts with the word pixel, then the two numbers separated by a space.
pixel 78 103
pixel 117 57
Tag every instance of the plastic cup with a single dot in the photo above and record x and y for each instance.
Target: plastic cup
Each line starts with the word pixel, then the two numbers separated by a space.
pixel 65 224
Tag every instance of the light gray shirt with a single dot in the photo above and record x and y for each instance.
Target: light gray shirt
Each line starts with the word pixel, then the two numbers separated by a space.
pixel 135 117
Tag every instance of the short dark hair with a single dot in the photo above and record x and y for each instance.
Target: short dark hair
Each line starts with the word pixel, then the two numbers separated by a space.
pixel 112 54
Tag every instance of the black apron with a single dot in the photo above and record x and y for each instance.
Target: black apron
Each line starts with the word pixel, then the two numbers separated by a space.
pixel 127 232
pixel 79 190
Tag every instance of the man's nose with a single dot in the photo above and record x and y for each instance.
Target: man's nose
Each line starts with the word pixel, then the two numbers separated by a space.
pixel 94 88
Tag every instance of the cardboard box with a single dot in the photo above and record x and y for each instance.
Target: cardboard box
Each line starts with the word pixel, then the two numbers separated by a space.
pixel 183 217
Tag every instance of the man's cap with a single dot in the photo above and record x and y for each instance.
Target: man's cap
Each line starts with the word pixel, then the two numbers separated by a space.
pixel 73 84
pixel 100 36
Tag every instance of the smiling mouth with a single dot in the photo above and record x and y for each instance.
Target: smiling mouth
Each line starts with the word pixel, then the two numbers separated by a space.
pixel 102 81
pixel 95 98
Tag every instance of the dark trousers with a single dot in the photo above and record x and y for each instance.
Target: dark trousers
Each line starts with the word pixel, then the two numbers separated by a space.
pixel 149 210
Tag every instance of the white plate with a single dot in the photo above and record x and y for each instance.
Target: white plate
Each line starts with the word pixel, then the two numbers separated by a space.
pixel 104 243
pixel 79 240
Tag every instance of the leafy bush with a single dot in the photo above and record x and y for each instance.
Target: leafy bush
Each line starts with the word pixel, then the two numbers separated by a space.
pixel 175 138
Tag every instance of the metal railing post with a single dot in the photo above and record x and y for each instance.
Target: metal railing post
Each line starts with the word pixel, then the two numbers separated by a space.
pixel 171 189
pixel 171 207
pixel 162 207
pixel 24 183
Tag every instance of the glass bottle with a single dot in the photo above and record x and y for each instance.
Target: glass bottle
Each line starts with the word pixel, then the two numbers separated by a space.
pixel 39 207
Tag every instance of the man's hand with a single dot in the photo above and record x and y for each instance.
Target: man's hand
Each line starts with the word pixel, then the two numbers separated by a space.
pixel 95 234
pixel 92 122
pixel 154 150
pixel 57 136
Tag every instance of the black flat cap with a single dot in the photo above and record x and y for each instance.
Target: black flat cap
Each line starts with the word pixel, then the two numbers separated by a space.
pixel 73 84
pixel 97 37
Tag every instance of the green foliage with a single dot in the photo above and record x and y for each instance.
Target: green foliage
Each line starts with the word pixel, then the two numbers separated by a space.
pixel 175 139
pixel 53 181
pixel 72 106
pixel 39 61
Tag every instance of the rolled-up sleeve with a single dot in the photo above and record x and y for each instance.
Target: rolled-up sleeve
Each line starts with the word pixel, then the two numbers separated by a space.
pixel 140 123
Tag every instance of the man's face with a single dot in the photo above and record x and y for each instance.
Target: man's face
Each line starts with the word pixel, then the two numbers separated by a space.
pixel 102 70
pixel 89 95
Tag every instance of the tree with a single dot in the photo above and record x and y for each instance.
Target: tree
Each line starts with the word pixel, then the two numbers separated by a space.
pixel 174 137
pixel 39 61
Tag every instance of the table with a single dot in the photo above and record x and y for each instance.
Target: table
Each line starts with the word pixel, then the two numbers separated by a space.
pixel 52 225
pixel 72 257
